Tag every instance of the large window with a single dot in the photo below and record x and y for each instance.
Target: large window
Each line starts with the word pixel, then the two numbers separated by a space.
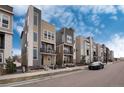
pixel 5 21
pixel 69 39
pixel 35 53
pixel 1 57
pixel 53 36
pixel 35 37
pixel 45 34
pixel 35 19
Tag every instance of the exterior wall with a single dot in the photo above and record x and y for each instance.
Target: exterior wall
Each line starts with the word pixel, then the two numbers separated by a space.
pixel 59 57
pixel 30 37
pixel 8 45
pixel 37 63
pixel 7 50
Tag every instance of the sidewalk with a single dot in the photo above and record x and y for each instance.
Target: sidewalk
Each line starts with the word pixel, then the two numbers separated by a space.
pixel 31 75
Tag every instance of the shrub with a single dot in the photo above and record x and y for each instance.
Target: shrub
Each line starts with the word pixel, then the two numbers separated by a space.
pixel 10 66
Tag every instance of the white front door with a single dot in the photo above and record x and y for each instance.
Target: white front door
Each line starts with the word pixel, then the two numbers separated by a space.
pixel 1 57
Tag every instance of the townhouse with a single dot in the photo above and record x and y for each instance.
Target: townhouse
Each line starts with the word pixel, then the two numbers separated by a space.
pixel 38 41
pixel 48 44
pixel 64 46
pixel 6 32
pixel 84 50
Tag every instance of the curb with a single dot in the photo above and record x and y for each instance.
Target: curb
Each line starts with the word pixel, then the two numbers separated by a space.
pixel 12 80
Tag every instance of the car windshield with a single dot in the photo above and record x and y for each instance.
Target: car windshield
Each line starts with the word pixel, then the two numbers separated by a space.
pixel 95 63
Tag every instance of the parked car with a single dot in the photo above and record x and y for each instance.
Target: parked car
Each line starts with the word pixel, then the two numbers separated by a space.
pixel 96 65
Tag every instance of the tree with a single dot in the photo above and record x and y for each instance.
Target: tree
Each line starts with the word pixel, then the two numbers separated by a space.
pixel 10 66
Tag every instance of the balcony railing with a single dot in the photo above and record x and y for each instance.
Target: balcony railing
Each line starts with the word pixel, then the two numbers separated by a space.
pixel 68 52
pixel 47 50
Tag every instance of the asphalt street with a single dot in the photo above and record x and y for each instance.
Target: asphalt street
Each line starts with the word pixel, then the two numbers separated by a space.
pixel 111 76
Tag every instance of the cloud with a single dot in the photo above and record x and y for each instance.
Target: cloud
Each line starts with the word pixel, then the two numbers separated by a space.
pixel 18 25
pixel 19 29
pixel 95 19
pixel 114 17
pixel 106 9
pixel 117 45
pixel 102 26
pixel 121 8
pixel 16 51
pixel 97 31
pixel 20 10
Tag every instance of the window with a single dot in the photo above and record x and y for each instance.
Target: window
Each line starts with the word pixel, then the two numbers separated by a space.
pixel 87 52
pixel 52 36
pixel 35 37
pixel 5 21
pixel 45 34
pixel 49 35
pixel 69 39
pixel 1 57
pixel 35 53
pixel 35 19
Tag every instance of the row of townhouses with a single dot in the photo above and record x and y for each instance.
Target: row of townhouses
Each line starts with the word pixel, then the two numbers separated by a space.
pixel 42 45
pixel 88 51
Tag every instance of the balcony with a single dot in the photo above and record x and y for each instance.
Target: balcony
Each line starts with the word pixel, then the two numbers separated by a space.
pixel 68 52
pixel 52 51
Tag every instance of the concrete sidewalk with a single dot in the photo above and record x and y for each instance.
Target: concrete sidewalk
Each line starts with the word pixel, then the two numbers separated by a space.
pixel 31 75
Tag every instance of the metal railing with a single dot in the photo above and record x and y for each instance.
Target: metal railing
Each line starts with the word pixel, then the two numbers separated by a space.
pixel 47 50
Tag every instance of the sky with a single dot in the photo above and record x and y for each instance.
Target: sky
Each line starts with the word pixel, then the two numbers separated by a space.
pixel 104 23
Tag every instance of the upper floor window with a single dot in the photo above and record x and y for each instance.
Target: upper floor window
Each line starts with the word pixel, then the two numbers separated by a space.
pixel 69 39
pixel 52 36
pixel 35 53
pixel 35 19
pixel 49 35
pixel 45 34
pixel 87 52
pixel 35 37
pixel 5 21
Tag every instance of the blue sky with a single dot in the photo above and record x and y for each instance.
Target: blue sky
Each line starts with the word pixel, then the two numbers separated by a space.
pixel 104 23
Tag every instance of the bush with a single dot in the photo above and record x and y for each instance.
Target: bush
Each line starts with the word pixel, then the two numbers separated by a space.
pixel 10 66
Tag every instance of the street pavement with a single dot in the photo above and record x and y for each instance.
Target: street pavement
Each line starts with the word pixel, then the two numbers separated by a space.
pixel 111 76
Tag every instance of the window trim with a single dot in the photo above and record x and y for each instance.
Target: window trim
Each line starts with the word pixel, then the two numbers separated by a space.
pixel 69 39
pixel 1 22
pixel 53 36
pixel 49 35
pixel 45 32
pixel 36 14
pixel 1 57
pixel 36 33
pixel 36 54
